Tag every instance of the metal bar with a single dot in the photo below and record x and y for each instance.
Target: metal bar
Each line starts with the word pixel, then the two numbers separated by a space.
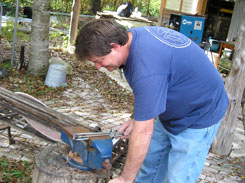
pixel 4 127
pixel 84 136
pixel 11 114
pixel 1 13
pixel 15 27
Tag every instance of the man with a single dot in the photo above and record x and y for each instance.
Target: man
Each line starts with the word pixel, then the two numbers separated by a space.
pixel 174 82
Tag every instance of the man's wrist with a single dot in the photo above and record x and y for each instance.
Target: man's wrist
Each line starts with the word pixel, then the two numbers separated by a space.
pixel 126 178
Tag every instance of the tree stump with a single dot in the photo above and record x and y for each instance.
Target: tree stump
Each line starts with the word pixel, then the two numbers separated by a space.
pixel 51 168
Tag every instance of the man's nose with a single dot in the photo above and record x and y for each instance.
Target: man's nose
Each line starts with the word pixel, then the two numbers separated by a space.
pixel 97 65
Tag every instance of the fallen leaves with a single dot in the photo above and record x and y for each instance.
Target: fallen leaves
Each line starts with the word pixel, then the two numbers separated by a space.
pixel 15 171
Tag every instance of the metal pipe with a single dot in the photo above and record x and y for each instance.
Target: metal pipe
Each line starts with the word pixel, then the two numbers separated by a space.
pixel 15 27
pixel 1 13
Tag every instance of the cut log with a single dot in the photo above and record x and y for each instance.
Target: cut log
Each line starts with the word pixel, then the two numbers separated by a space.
pixel 51 168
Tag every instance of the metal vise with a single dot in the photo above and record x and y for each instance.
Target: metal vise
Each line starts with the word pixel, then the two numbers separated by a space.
pixel 88 149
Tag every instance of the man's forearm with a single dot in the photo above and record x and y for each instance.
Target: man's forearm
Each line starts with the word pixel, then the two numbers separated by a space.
pixel 138 147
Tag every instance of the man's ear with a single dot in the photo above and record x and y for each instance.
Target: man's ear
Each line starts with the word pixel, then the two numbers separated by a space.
pixel 115 46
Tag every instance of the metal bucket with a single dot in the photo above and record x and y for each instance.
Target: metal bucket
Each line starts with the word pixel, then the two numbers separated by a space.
pixel 56 76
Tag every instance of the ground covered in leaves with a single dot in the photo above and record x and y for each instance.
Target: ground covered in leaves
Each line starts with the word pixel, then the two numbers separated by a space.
pixel 20 81
pixel 15 171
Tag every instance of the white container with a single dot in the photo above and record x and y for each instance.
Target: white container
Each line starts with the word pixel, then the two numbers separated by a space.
pixel 56 76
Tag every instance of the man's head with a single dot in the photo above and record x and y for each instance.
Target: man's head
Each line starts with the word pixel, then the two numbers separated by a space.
pixel 98 38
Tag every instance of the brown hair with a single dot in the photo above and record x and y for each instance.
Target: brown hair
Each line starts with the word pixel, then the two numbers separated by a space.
pixel 96 36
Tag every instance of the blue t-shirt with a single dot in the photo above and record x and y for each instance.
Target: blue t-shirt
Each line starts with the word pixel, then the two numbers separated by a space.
pixel 172 78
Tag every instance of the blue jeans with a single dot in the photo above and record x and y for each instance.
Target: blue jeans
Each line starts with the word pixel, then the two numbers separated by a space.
pixel 176 158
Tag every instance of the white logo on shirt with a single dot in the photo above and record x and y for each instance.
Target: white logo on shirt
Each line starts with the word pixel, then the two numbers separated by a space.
pixel 169 37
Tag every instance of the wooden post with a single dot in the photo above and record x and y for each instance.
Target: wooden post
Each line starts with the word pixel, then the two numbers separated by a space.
pixel 161 12
pixel 74 20
pixel 50 167
pixel 181 5
pixel 201 7
pixel 235 84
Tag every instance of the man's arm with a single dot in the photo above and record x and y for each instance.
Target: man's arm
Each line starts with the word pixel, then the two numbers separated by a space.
pixel 139 142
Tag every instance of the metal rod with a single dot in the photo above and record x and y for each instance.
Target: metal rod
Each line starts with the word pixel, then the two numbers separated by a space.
pixel 1 14
pixel 4 127
pixel 85 136
pixel 15 27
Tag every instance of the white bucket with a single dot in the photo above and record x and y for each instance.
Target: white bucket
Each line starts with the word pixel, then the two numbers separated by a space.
pixel 56 76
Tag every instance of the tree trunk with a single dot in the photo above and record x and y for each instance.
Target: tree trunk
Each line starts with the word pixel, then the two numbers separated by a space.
pixel 96 6
pixel 51 168
pixel 235 85
pixel 148 8
pixel 74 20
pixel 38 63
pixel 243 110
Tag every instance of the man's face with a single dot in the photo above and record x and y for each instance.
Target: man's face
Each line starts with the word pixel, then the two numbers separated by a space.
pixel 111 61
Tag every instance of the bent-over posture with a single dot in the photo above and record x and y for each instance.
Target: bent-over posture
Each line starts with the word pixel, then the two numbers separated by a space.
pixel 179 98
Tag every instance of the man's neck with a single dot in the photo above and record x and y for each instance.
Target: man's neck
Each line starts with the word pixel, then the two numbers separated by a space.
pixel 127 47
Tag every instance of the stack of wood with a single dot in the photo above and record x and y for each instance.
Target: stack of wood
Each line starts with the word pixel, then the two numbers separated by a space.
pixel 36 111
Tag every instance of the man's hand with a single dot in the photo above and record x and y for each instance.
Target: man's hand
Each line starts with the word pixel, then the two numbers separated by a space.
pixel 119 179
pixel 127 128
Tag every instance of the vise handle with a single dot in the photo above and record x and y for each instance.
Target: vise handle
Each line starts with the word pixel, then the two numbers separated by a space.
pixel 86 136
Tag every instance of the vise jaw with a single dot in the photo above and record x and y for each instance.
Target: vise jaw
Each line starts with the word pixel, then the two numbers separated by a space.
pixel 88 152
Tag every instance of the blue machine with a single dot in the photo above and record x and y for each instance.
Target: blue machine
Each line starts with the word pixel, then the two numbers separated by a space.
pixel 190 26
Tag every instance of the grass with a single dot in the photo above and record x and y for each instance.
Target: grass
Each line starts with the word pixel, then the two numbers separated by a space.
pixel 7 32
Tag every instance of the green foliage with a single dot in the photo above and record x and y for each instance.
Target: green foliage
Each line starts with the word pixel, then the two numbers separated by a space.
pixel 3 163
pixel 55 34
pixel 11 5
pixel 8 32
pixel 15 171
pixel 65 41
pixel 6 64
pixel 154 7
pixel 60 25
pixel 61 5
pixel 147 7
pixel 61 38
pixel 109 6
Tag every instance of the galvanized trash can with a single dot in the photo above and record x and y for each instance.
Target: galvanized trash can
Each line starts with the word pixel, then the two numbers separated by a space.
pixel 56 76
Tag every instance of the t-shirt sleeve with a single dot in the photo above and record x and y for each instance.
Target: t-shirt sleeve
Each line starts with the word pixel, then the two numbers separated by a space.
pixel 150 96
